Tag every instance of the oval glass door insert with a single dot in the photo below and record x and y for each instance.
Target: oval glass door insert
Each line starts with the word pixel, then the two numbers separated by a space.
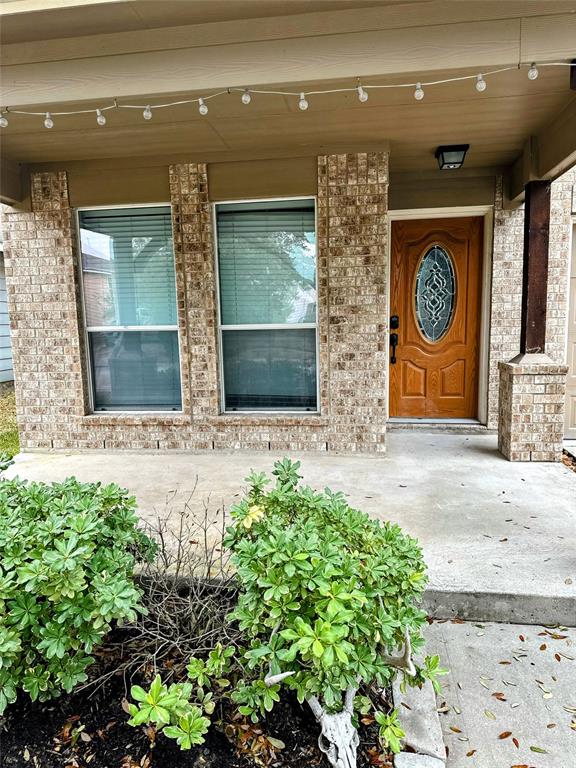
pixel 435 294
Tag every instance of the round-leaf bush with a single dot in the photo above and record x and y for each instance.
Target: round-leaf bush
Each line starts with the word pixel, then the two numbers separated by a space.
pixel 67 554
pixel 326 594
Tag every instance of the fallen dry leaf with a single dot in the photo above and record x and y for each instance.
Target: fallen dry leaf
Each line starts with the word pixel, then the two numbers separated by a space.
pixel 499 695
pixel 505 735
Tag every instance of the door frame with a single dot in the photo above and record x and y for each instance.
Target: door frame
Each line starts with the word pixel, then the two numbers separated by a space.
pixel 481 211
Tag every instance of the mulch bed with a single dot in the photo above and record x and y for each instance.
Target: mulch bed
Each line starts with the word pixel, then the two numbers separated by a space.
pixel 88 729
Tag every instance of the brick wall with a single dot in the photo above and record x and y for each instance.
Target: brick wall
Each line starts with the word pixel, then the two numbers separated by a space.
pixel 49 358
pixel 507 283
pixel 42 279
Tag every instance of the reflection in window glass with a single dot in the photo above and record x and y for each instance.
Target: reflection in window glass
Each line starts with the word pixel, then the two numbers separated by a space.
pixel 270 369
pixel 137 370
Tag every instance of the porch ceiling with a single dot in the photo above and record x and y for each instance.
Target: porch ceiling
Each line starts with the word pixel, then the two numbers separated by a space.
pixel 495 123
pixel 56 52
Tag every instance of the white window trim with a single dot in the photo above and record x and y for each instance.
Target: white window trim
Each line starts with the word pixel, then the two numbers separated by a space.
pixel 118 328
pixel 266 412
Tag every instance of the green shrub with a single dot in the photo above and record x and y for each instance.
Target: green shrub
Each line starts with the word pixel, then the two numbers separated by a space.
pixel 328 603
pixel 67 553
pixel 326 593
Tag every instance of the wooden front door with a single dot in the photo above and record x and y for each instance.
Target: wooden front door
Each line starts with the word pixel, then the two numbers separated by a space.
pixel 436 270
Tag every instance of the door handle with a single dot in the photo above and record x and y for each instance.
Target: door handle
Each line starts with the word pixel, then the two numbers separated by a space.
pixel 394 325
pixel 393 344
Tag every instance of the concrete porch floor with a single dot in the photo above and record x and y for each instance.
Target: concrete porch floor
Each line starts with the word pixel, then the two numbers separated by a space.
pixel 499 538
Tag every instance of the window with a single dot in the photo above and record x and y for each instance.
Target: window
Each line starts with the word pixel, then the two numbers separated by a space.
pixel 130 308
pixel 267 281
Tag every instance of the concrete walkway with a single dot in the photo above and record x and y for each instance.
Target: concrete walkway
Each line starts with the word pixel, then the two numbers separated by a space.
pixel 499 537
pixel 507 682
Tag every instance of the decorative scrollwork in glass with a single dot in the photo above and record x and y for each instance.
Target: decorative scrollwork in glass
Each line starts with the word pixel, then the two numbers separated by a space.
pixel 435 293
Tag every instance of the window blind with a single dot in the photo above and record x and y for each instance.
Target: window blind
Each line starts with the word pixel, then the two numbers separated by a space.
pixel 131 251
pixel 267 263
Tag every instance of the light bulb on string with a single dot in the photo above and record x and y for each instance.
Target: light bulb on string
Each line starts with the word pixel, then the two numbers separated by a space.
pixel 533 71
pixel 419 92
pixel 362 94
pixel 202 108
pixel 100 118
pixel 147 114
pixel 48 122
pixel 3 120
pixel 303 103
pixel 480 84
pixel 246 98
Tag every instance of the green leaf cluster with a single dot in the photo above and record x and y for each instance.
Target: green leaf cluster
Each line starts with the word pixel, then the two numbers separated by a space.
pixel 390 732
pixel 67 554
pixel 179 710
pixel 169 710
pixel 326 592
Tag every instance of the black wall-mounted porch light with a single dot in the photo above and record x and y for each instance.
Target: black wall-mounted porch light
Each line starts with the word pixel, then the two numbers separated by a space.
pixel 452 156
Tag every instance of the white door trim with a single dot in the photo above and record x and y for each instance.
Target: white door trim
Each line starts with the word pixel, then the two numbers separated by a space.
pixel 487 212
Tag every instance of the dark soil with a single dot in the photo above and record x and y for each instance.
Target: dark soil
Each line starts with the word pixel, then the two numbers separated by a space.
pixel 89 729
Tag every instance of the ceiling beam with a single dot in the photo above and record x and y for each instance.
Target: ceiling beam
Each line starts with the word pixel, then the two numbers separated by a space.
pixel 547 155
pixel 395 16
pixel 415 52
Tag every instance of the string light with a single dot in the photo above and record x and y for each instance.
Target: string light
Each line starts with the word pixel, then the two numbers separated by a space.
pixel 246 95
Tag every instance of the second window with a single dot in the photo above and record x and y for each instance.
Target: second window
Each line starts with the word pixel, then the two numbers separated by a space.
pixel 267 282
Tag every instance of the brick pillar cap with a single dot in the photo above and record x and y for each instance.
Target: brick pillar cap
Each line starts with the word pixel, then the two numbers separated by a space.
pixel 532 363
